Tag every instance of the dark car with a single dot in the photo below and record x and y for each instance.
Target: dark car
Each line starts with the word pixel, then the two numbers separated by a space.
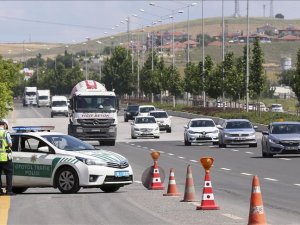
pixel 281 138
pixel 130 112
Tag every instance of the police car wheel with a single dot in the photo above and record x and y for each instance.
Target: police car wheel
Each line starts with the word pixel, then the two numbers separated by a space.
pixel 67 180
pixel 109 189
pixel 19 190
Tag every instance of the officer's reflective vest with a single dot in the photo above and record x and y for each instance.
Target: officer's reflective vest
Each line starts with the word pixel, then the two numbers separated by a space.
pixel 3 146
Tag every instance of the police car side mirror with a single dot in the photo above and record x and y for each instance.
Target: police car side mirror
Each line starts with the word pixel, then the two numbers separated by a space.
pixel 44 149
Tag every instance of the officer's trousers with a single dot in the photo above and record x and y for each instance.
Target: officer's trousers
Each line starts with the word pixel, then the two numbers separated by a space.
pixel 7 168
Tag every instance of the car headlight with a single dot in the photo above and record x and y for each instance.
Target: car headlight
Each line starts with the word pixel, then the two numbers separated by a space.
pixel 157 128
pixel 215 131
pixel 227 134
pixel 252 134
pixel 136 129
pixel 273 141
pixel 91 161
pixel 191 132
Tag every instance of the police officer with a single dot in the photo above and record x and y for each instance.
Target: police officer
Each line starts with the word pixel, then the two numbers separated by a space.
pixel 6 157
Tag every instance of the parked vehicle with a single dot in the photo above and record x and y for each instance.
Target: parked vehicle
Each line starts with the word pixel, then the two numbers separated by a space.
pixel 145 109
pixel 163 120
pixel 29 96
pixel 43 98
pixel 276 108
pixel 59 106
pixel 93 113
pixel 130 112
pixel 201 130
pixel 281 138
pixel 51 159
pixel 237 132
pixel 144 126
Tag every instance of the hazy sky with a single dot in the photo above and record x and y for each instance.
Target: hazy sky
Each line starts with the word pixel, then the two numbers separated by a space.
pixel 73 21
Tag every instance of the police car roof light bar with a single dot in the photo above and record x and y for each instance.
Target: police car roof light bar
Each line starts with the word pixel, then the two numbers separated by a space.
pixel 23 129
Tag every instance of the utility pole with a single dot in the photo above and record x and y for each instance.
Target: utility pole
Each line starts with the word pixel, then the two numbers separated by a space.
pixel 203 58
pixel 247 61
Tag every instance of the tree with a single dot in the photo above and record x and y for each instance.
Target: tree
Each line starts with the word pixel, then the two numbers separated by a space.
pixel 214 80
pixel 296 80
pixel 286 77
pixel 207 39
pixel 191 80
pixel 256 76
pixel 279 16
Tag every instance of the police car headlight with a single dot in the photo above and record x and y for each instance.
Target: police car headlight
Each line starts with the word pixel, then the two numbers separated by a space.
pixel 92 162
pixel 136 129
pixel 216 131
pixel 191 132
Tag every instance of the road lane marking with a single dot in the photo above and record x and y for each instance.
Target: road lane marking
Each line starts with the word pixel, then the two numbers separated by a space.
pixel 225 169
pixel 145 147
pixel 192 160
pixel 170 154
pixel 132 144
pixel 247 174
pixel 232 216
pixel 297 185
pixel 270 179
pixel 161 152
pixel 235 150
pixel 152 149
pixel 138 146
pixel 285 159
pixel 251 153
pixel 5 205
pixel 180 157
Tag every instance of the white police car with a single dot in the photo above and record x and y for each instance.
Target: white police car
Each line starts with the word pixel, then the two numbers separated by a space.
pixel 50 159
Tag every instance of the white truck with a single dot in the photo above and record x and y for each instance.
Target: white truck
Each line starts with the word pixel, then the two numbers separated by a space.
pixel 29 96
pixel 43 98
pixel 93 113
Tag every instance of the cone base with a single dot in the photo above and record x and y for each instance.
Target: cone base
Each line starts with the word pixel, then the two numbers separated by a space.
pixel 171 194
pixel 188 200
pixel 157 188
pixel 208 207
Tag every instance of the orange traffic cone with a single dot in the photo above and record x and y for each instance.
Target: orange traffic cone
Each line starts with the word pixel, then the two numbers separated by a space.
pixel 156 182
pixel 208 201
pixel 172 189
pixel 256 214
pixel 189 192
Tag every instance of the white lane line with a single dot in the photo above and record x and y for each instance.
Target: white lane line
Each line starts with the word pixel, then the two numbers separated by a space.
pixel 251 153
pixel 161 152
pixel 270 179
pixel 235 150
pixel 285 159
pixel 232 216
pixel 247 174
pixel 180 157
pixel 225 169
pixel 170 154
pixel 138 146
pixel 192 160
pixel 145 147
pixel 152 149
pixel 297 185
pixel 132 144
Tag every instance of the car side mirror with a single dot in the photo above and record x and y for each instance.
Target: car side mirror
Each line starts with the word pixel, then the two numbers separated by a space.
pixel 219 126
pixel 185 126
pixel 265 132
pixel 132 123
pixel 44 149
pixel 255 127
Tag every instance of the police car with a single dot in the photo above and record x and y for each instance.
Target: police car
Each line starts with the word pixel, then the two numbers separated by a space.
pixel 50 159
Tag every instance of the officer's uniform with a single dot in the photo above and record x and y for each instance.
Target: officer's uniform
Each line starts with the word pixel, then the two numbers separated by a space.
pixel 6 160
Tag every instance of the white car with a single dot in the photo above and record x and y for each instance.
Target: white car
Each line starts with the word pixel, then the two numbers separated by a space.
pixel 201 130
pixel 163 120
pixel 50 159
pixel 276 108
pixel 145 109
pixel 144 126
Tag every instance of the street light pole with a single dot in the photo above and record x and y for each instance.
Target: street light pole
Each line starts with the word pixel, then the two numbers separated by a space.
pixel 203 57
pixel 100 69
pixel 247 61
pixel 223 51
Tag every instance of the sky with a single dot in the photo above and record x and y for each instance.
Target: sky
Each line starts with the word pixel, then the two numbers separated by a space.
pixel 75 21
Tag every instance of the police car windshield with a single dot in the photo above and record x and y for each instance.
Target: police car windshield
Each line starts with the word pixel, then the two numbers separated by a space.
pixel 68 143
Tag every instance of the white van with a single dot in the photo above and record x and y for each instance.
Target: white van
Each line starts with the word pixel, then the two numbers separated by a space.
pixel 43 98
pixel 59 106
pixel 145 109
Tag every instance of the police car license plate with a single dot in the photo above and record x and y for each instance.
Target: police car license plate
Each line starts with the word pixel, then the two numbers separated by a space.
pixel 121 173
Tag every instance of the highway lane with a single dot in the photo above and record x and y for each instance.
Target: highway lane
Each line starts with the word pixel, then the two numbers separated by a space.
pixel 231 179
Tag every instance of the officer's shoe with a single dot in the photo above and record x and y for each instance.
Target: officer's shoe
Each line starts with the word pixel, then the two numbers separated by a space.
pixel 1 192
pixel 10 193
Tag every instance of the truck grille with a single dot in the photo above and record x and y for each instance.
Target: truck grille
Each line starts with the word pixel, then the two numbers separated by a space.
pixel 96 122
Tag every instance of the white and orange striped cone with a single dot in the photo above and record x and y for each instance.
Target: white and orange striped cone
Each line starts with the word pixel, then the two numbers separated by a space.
pixel 189 192
pixel 172 188
pixel 256 214
pixel 208 201
pixel 156 182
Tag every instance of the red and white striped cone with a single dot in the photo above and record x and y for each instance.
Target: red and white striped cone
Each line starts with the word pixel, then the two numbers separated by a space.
pixel 156 182
pixel 172 188
pixel 189 192
pixel 208 201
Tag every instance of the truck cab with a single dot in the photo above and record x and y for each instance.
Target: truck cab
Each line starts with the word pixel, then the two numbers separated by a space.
pixel 29 96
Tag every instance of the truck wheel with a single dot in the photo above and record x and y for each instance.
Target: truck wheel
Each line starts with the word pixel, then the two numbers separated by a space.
pixel 51 115
pixel 169 130
pixel 125 120
pixel 109 189
pixel 67 180
pixel 111 143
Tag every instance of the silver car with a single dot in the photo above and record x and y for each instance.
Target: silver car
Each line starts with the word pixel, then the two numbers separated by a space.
pixel 281 138
pixel 237 132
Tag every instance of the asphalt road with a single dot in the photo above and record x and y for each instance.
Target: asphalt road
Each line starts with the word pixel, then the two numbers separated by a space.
pixel 231 177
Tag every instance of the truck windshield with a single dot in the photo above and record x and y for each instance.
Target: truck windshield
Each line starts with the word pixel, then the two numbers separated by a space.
pixel 43 97
pixel 31 93
pixel 95 103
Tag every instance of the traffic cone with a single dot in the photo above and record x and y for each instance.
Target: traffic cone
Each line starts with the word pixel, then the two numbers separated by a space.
pixel 189 192
pixel 156 182
pixel 208 201
pixel 172 189
pixel 256 214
